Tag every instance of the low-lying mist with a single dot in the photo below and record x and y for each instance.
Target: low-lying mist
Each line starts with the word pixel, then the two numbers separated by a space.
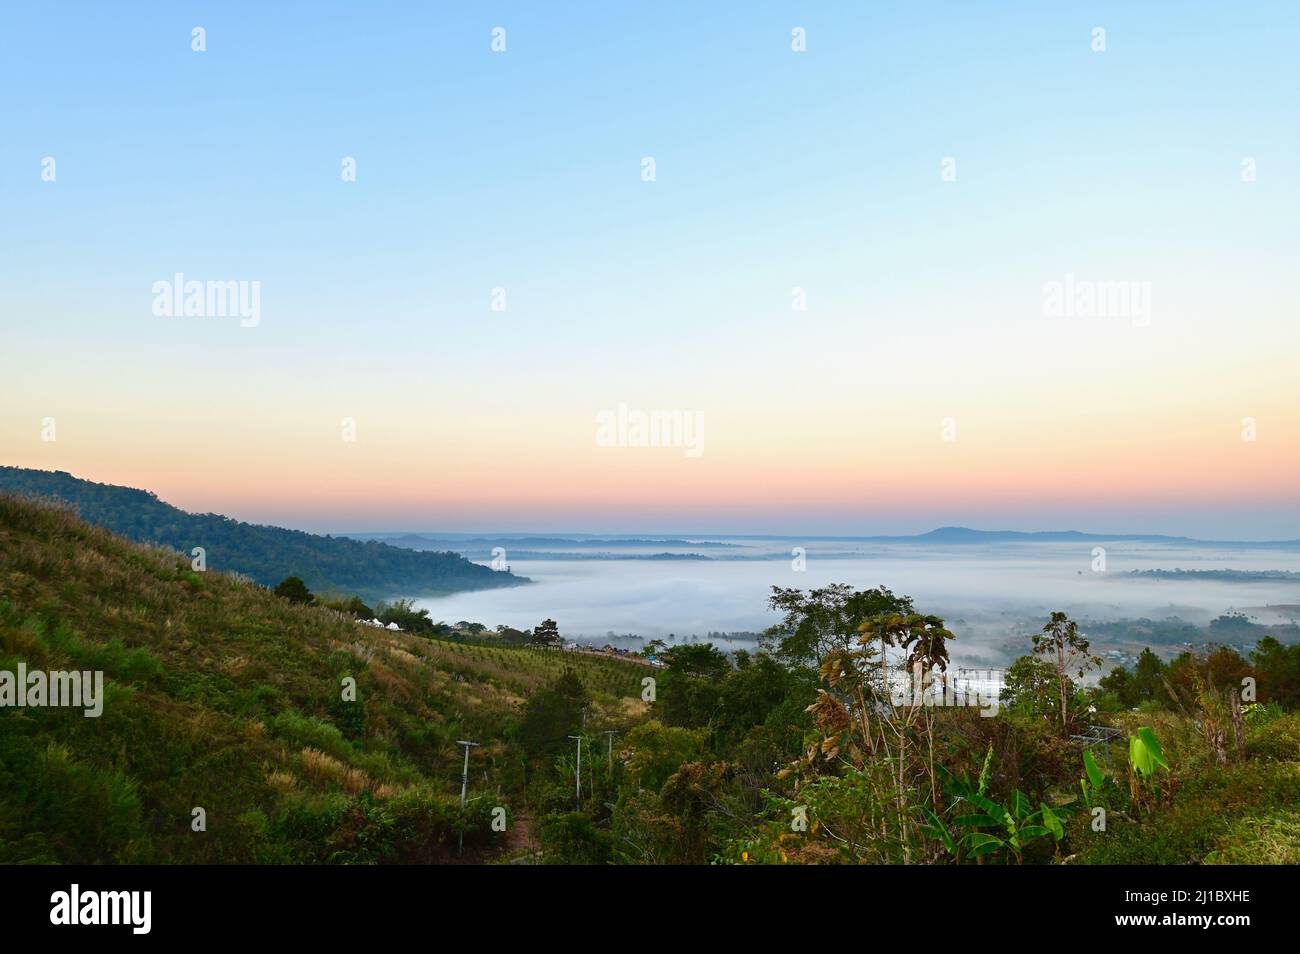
pixel 992 596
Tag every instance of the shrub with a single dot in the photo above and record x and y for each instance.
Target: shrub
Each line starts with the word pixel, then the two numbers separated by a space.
pixel 572 839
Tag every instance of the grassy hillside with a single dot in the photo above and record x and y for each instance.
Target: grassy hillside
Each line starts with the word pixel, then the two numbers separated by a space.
pixel 326 564
pixel 221 696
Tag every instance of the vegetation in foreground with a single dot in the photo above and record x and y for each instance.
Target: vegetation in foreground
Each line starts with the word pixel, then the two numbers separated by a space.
pixel 225 696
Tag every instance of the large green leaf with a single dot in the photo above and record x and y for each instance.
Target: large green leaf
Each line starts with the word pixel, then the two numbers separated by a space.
pixel 1149 739
pixel 978 844
pixel 992 808
pixel 1090 766
pixel 1019 805
pixel 1144 752
pixel 1053 823
pixel 977 820
pixel 937 830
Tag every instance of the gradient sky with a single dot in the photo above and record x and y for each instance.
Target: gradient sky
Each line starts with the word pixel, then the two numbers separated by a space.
pixel 775 170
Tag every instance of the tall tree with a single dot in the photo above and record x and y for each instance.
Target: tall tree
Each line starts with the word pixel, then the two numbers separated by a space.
pixel 825 620
pixel 552 714
pixel 1278 670
pixel 1066 651
pixel 1032 687
pixel 689 690
pixel 547 634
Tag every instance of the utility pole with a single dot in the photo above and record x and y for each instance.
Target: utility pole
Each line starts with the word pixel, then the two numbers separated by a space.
pixel 610 733
pixel 464 790
pixel 464 774
pixel 577 789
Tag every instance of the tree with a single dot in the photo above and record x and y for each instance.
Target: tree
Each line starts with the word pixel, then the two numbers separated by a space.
pixel 1148 677
pixel 546 635
pixel 1215 670
pixel 698 659
pixel 406 616
pixel 762 698
pixel 1145 682
pixel 552 714
pixel 924 637
pixel 513 637
pixel 1032 688
pixel 658 751
pixel 353 606
pixel 825 620
pixel 357 608
pixel 689 689
pixel 1278 669
pixel 862 723
pixel 294 590
pixel 1066 651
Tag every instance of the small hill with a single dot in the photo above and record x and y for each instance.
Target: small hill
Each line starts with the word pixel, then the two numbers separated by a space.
pixel 221 696
pixel 339 565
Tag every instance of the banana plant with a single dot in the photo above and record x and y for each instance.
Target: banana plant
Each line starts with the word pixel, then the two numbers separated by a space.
pixel 1146 760
pixel 1144 753
pixel 1097 785
pixel 998 830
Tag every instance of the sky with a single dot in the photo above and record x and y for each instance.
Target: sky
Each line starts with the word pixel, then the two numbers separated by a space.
pixel 877 279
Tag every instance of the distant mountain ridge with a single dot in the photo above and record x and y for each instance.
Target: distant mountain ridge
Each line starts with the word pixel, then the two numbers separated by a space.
pixel 371 570
pixel 530 540
pixel 967 535
pixel 946 535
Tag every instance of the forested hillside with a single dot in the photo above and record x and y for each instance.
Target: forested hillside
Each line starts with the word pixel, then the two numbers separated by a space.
pixel 220 696
pixel 266 554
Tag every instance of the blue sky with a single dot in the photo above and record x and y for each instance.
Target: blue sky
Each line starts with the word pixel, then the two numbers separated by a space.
pixel 522 170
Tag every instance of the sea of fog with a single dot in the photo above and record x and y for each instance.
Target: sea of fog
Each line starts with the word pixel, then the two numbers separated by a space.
pixel 991 595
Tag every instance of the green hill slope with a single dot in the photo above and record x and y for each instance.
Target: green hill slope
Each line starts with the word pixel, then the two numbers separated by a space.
pixel 326 564
pixel 221 696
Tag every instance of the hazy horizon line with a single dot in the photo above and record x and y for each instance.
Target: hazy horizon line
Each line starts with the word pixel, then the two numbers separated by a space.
pixel 320 530
pixel 705 537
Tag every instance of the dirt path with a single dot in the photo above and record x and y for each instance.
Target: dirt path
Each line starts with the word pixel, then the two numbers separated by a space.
pixel 520 843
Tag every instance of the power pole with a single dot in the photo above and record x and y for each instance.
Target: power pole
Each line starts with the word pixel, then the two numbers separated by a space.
pixel 464 790
pixel 610 733
pixel 464 774
pixel 577 790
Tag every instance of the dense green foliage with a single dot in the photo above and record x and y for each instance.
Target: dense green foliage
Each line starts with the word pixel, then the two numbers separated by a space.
pixel 265 554
pixel 221 695
pixel 546 634
pixel 869 780
pixel 1273 668
pixel 294 590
